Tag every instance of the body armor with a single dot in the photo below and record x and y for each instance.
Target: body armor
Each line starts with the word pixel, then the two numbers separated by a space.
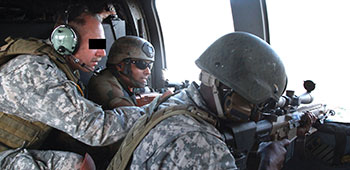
pixel 14 131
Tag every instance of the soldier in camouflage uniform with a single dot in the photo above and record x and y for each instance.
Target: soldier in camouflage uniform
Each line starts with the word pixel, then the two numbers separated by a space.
pixel 128 66
pixel 184 132
pixel 237 66
pixel 39 93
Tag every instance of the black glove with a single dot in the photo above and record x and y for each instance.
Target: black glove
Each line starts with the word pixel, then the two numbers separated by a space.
pixel 272 154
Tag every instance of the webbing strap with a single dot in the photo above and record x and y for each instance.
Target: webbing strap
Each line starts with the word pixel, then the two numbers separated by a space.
pixel 144 125
pixel 4 58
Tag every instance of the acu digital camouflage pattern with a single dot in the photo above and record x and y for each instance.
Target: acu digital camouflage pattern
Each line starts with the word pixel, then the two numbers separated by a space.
pixel 32 87
pixel 182 142
pixel 39 160
pixel 35 89
pixel 106 90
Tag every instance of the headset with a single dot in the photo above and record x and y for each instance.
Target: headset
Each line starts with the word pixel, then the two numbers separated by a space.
pixel 65 40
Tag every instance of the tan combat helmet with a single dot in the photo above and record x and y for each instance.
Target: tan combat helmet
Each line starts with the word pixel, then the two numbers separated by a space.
pixel 132 47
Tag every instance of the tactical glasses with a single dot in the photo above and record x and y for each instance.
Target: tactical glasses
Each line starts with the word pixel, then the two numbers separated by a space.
pixel 141 64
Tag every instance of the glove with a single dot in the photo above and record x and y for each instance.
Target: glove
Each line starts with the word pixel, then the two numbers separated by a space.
pixel 272 154
pixel 306 122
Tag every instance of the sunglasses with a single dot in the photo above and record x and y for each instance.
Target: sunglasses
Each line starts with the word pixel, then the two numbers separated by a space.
pixel 141 64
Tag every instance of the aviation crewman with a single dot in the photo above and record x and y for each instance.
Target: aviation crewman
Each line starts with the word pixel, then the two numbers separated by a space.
pixel 40 93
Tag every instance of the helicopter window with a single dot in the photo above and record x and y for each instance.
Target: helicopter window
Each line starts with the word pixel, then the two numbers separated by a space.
pixel 312 39
pixel 189 27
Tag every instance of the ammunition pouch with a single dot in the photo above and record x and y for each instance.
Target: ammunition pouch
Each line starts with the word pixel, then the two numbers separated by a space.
pixel 16 132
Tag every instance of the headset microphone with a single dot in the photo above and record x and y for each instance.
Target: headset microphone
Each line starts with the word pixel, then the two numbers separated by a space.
pixel 77 61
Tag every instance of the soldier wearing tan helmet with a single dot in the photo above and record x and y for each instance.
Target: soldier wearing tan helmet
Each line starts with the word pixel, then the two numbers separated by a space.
pixel 129 64
pixel 184 131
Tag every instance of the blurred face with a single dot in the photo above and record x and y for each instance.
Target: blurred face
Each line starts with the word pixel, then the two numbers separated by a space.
pixel 92 29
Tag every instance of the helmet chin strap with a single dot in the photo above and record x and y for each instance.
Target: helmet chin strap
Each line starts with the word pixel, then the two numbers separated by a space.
pixel 210 81
pixel 217 102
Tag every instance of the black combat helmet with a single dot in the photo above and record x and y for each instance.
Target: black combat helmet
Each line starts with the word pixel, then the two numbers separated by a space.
pixel 247 64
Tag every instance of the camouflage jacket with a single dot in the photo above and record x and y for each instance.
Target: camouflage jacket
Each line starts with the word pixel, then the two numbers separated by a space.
pixel 106 90
pixel 32 87
pixel 24 159
pixel 182 142
pixel 35 89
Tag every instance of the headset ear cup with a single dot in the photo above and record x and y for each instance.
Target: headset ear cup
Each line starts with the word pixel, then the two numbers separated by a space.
pixel 64 40
pixel 236 108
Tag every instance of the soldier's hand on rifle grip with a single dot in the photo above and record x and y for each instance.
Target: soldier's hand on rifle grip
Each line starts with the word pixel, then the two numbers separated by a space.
pixel 272 154
pixel 306 122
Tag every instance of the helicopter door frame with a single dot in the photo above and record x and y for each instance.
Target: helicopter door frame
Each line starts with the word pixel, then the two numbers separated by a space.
pixel 156 38
pixel 251 16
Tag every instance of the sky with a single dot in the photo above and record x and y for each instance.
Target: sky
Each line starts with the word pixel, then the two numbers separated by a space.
pixel 187 32
pixel 312 37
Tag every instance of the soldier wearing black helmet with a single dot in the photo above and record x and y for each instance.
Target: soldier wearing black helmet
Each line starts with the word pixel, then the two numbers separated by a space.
pixel 128 66
pixel 240 73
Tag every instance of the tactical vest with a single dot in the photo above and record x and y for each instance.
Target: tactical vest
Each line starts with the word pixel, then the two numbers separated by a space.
pixel 14 131
pixel 144 124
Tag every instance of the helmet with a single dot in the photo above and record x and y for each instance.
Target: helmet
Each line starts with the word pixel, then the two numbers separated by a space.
pixel 130 47
pixel 247 64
